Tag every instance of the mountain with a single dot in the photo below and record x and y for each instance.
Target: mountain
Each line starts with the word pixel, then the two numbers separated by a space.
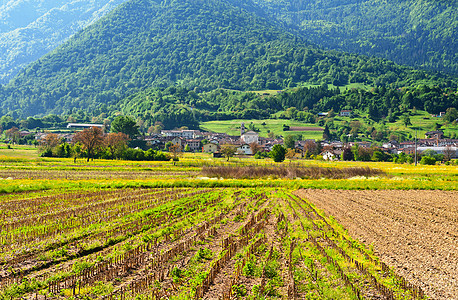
pixel 202 44
pixel 410 32
pixel 420 33
pixel 31 28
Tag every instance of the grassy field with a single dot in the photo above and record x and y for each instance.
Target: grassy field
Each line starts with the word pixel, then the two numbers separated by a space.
pixel 232 127
pixel 27 172
pixel 421 121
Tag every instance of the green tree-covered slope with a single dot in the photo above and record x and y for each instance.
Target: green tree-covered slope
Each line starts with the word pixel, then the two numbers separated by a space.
pixel 421 33
pixel 205 44
pixel 31 28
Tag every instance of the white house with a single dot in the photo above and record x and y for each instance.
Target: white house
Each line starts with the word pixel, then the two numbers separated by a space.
pixel 250 137
pixel 244 149
pixel 345 113
pixel 331 155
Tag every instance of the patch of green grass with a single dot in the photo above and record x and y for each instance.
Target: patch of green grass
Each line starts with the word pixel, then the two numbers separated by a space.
pixel 232 127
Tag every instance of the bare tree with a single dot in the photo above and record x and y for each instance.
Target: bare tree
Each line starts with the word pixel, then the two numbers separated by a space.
pixel 116 143
pixel 91 139
pixel 49 142
pixel 175 149
pixel 13 134
pixel 449 152
pixel 255 147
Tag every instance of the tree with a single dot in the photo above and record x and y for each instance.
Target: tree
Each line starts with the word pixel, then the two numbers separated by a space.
pixel 355 151
pixel 157 128
pixel 311 147
pixel 255 148
pixel 48 143
pixel 291 113
pixel 76 151
pixel 347 154
pixel 356 127
pixel 167 146
pixel 406 120
pixel 451 114
pixel 378 156
pixel 278 153
pixel 449 152
pixel 125 125
pixel 290 154
pixel 326 133
pixel 116 143
pixel 228 150
pixel 91 139
pixel 427 160
pixel 289 141
pixel 175 149
pixel 13 134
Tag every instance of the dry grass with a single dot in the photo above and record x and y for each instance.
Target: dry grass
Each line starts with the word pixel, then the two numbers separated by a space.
pixel 288 172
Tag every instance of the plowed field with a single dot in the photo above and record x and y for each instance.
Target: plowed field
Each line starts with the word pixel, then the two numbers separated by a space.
pixel 413 231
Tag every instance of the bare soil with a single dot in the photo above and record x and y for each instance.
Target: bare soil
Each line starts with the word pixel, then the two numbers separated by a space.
pixel 415 232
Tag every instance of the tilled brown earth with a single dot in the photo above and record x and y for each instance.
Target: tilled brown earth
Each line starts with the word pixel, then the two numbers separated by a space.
pixel 416 232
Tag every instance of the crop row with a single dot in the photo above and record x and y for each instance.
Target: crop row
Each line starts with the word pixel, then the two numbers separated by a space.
pixel 221 243
pixel 147 219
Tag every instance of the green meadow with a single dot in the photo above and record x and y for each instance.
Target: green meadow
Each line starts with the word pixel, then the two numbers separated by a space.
pixel 232 127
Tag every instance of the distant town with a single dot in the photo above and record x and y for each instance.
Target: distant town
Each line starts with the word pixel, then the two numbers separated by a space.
pixel 211 142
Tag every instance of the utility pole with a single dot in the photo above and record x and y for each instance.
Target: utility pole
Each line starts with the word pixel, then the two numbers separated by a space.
pixel 415 146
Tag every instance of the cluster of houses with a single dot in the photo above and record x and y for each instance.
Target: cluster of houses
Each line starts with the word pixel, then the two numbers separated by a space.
pixel 434 140
pixel 210 142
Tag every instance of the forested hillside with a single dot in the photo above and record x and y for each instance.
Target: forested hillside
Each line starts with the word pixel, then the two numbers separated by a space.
pixel 179 106
pixel 420 33
pixel 31 28
pixel 203 44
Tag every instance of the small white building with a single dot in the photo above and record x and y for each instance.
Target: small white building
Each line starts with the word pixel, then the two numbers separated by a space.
pixel 345 113
pixel 244 149
pixel 330 155
pixel 80 125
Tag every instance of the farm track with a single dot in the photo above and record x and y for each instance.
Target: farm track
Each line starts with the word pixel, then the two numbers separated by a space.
pixel 415 232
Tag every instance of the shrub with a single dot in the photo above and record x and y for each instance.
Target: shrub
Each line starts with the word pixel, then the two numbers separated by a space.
pixel 428 160
pixel 287 172
pixel 278 153
pixel 239 290
pixel 203 254
pixel 249 268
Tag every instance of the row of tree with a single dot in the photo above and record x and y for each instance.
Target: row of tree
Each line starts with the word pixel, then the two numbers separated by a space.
pixel 93 143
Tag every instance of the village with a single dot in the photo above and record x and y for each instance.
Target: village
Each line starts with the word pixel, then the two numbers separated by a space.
pixel 250 142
